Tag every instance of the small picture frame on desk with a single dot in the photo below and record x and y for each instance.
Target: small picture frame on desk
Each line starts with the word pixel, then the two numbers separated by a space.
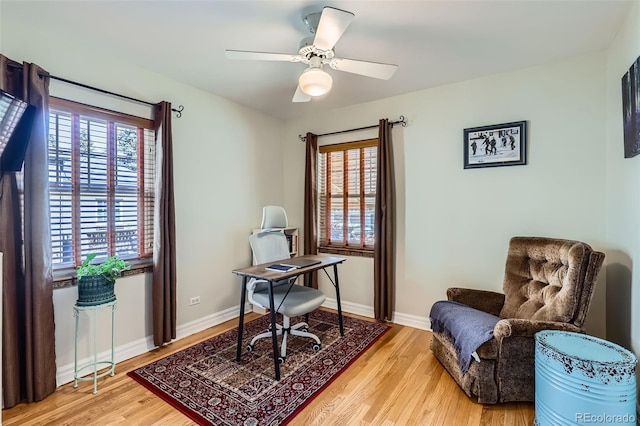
pixel 496 145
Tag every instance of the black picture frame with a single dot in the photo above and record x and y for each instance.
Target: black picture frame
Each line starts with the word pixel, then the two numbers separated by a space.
pixel 631 110
pixel 496 145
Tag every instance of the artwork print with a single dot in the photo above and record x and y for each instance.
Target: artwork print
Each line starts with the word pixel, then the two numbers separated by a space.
pixel 495 145
pixel 631 110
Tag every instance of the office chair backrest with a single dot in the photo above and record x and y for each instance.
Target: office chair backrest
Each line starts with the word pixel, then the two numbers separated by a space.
pixel 268 246
pixel 273 217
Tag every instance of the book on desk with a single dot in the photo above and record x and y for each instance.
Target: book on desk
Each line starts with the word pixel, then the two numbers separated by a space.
pixel 291 264
pixel 279 267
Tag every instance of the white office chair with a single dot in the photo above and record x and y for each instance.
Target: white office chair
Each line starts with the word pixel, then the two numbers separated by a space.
pixel 270 245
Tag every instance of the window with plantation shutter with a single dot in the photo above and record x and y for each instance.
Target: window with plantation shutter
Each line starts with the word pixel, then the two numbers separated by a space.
pixel 101 183
pixel 11 111
pixel 347 195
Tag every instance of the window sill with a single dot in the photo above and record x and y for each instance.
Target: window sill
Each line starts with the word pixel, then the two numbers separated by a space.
pixel 65 278
pixel 346 251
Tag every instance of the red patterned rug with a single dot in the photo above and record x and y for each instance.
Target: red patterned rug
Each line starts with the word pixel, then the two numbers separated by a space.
pixel 206 383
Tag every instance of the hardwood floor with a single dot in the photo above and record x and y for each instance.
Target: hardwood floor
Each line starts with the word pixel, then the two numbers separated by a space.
pixel 396 382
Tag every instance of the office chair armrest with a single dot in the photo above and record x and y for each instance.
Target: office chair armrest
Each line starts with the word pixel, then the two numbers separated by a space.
pixel 251 286
pixel 483 300
pixel 253 282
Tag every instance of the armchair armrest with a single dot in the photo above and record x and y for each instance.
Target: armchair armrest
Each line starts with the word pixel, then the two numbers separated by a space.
pixel 512 327
pixel 483 300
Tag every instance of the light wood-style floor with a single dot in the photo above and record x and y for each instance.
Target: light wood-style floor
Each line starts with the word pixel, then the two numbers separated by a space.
pixel 396 382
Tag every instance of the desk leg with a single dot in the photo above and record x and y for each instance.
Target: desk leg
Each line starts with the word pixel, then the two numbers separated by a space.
pixel 335 276
pixel 243 296
pixel 274 336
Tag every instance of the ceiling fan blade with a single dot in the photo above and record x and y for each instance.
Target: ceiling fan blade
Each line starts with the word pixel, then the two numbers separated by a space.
pixel 300 96
pixel 261 56
pixel 369 69
pixel 333 23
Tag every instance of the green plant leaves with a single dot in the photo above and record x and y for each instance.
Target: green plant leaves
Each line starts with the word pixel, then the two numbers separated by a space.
pixel 110 268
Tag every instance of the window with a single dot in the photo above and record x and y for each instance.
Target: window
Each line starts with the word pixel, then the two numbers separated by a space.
pixel 101 183
pixel 11 111
pixel 347 195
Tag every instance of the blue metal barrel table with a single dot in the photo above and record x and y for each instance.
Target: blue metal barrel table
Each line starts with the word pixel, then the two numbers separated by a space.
pixel 581 380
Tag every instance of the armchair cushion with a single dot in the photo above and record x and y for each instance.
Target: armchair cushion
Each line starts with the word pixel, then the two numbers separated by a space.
pixel 528 328
pixel 469 328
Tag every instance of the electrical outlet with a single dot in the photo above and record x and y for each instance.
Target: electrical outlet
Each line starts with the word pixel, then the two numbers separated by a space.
pixel 194 300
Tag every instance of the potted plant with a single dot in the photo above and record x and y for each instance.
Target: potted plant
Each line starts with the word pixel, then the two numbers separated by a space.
pixel 96 281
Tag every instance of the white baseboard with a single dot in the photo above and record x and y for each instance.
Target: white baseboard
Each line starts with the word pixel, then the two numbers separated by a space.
pixel 122 353
pixel 352 308
pixel 64 373
pixel 209 321
pixel 409 320
pixel 422 323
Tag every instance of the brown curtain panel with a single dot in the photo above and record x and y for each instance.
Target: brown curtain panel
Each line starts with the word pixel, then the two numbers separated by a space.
pixel 384 258
pixel 28 330
pixel 164 251
pixel 311 200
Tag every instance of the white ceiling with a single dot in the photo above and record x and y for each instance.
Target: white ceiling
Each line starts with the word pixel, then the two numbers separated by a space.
pixel 433 42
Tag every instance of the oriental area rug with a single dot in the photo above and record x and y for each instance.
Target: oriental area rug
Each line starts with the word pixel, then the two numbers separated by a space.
pixel 206 383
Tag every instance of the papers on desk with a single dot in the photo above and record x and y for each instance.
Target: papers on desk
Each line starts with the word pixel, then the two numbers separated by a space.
pixel 279 267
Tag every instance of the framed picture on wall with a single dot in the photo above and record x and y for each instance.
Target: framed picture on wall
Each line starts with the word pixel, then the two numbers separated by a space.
pixel 631 110
pixel 495 145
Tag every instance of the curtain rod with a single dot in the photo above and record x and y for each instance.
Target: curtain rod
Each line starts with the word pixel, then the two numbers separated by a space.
pixel 401 120
pixel 178 111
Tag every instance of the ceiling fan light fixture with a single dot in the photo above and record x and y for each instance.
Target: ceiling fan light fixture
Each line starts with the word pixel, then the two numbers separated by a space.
pixel 315 82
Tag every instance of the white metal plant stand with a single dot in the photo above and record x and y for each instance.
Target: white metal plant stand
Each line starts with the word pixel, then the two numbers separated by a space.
pixel 112 364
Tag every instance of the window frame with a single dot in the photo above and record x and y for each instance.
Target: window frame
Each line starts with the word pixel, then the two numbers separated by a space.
pixel 325 245
pixel 64 275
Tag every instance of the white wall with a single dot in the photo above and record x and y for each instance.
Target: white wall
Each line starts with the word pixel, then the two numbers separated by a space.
pixel 453 225
pixel 221 184
pixel 623 198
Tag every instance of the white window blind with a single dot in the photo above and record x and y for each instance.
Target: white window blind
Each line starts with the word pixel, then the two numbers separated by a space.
pixel 347 194
pixel 101 182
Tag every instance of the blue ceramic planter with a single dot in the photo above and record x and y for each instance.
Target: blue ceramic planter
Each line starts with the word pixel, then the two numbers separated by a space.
pixel 93 291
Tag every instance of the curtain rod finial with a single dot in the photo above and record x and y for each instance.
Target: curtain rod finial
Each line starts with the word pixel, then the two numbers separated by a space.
pixel 178 111
pixel 303 138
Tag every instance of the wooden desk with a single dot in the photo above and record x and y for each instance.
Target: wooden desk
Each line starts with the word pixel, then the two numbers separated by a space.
pixel 259 272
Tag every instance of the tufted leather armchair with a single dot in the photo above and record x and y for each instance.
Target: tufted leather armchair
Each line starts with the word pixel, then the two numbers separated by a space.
pixel 548 284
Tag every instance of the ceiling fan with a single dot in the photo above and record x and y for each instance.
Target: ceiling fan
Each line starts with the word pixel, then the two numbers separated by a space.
pixel 317 51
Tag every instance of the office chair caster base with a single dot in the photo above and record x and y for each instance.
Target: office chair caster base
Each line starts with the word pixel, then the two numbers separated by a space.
pixel 281 360
pixel 316 347
pixel 250 348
